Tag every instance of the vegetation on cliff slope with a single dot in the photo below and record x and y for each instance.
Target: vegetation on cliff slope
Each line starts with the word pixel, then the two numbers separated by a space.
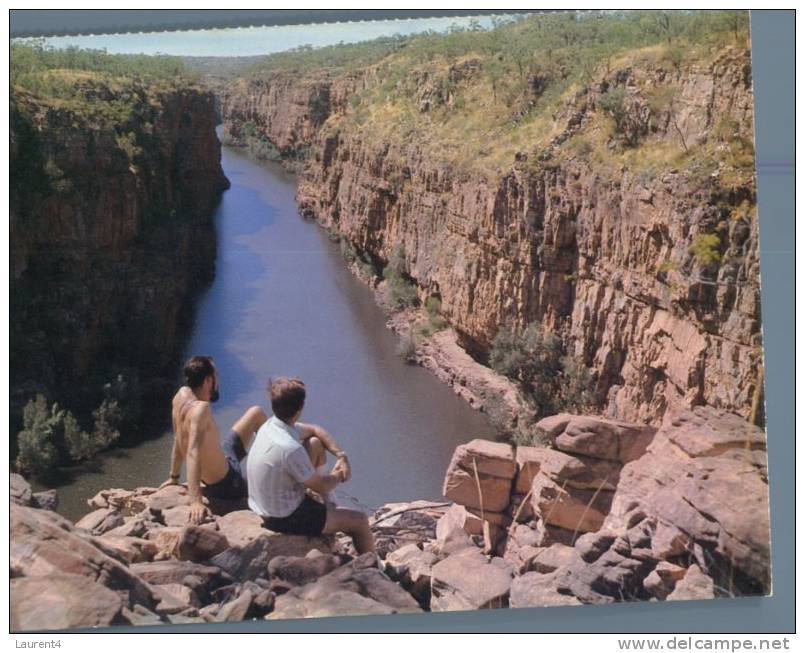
pixel 552 381
pixel 103 88
pixel 474 98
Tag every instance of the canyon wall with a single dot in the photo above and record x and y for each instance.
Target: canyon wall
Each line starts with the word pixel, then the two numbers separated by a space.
pixel 111 237
pixel 607 259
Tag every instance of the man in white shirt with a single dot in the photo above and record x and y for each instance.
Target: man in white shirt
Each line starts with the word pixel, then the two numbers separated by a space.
pixel 287 458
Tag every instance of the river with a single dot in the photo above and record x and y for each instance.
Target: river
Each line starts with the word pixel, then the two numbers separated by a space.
pixel 284 303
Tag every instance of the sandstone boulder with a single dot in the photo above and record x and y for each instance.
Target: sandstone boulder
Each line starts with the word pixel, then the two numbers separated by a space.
pixel 536 590
pixel 689 488
pixel 20 490
pixel 592 546
pixel 167 498
pixel 480 475
pixel 529 461
pixel 695 585
pixel 518 554
pixel 197 544
pixel 552 558
pixel 177 572
pixel 61 601
pixel 140 525
pixel 241 527
pixel 175 598
pixel 706 432
pixel 128 549
pixel 576 471
pixel 236 610
pixel 405 522
pixel 411 567
pixel 468 580
pixel 568 507
pixel 100 521
pixel 44 544
pixel 450 532
pixel 597 437
pixel 358 587
pixel 128 502
pixel 46 500
pixel 137 615
pixel 286 572
pixel 662 580
pixel 251 560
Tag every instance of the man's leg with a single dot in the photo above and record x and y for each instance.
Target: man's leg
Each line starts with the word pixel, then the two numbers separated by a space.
pixel 318 457
pixel 353 523
pixel 315 451
pixel 248 424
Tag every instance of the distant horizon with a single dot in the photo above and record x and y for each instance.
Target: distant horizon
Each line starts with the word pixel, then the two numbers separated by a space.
pixel 258 40
pixel 25 23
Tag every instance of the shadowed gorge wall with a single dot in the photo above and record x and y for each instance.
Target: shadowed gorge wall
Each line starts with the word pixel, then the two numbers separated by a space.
pixel 111 234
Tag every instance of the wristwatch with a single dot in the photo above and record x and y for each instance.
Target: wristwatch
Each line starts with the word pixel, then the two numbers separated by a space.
pixel 341 454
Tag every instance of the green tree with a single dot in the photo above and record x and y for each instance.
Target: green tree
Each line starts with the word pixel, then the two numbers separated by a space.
pixel 533 358
pixel 38 452
pixel 108 417
pixel 576 389
pixel 402 292
pixel 77 442
pixel 705 248
pixel 551 380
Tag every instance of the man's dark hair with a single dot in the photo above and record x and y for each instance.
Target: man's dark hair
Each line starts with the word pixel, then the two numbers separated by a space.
pixel 197 369
pixel 287 396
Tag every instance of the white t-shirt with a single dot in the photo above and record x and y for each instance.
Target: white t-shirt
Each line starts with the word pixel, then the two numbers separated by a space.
pixel 277 468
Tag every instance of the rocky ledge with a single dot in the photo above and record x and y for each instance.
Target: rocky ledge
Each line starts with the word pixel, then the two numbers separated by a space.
pixel 609 511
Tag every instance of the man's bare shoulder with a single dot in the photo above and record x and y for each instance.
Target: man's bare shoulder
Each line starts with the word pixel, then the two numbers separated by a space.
pixel 182 396
pixel 199 409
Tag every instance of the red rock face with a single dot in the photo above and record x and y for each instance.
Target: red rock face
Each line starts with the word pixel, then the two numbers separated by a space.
pixel 605 262
pixel 108 246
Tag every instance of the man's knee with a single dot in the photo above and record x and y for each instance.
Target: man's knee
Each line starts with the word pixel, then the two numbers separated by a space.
pixel 346 520
pixel 358 521
pixel 256 415
pixel 315 451
pixel 249 422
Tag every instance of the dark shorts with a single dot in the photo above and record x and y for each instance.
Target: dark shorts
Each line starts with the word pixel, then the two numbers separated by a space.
pixel 307 519
pixel 233 485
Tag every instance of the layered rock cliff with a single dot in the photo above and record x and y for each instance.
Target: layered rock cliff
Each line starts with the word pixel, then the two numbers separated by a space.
pixel 646 265
pixel 111 233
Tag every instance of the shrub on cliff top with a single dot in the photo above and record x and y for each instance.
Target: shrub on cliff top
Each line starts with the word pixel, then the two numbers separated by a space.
pixel 34 56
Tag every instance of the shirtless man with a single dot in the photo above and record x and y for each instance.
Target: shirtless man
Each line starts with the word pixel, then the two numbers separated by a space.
pixel 196 439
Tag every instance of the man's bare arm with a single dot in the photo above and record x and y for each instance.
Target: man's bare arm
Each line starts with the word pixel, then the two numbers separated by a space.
pixel 176 457
pixel 196 434
pixel 309 430
pixel 324 483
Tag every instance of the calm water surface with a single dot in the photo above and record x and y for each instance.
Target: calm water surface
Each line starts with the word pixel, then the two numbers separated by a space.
pixel 283 303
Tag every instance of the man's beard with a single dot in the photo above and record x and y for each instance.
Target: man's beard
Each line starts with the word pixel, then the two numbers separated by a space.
pixel 215 395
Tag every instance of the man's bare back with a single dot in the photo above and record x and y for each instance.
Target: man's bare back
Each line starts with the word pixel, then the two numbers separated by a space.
pixel 192 415
pixel 197 440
